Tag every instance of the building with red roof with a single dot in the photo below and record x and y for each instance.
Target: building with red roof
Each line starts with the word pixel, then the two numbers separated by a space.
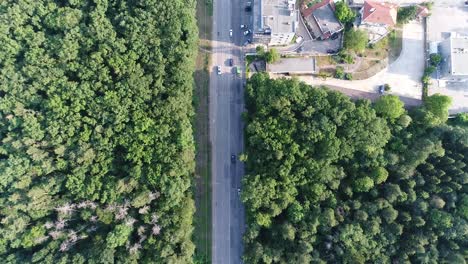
pixel 378 19
pixel 321 21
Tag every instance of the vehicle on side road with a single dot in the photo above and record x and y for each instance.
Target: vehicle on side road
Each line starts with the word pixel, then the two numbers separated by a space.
pixel 382 89
pixel 218 70
pixel 230 62
pixel 243 26
pixel 331 51
pixel 247 32
pixel 335 36
pixel 230 33
pixel 233 158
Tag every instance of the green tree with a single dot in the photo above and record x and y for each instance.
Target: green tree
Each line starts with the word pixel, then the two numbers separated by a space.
pixel 389 106
pixel 438 106
pixel 406 14
pixel 344 13
pixel 272 56
pixel 356 40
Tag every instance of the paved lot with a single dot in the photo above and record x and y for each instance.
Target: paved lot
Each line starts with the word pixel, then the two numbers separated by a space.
pixel 449 16
pixel 403 75
pixel 226 132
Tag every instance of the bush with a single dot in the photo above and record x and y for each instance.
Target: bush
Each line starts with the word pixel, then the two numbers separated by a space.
pixel 272 56
pixel 339 73
pixel 435 59
pixel 348 76
pixel 387 87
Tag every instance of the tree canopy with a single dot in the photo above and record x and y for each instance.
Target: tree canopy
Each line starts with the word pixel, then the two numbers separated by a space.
pixel 96 152
pixel 344 13
pixel 356 40
pixel 329 180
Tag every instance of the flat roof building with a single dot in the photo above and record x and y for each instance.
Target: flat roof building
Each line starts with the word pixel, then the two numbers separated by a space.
pixel 293 66
pixel 275 21
pixel 454 66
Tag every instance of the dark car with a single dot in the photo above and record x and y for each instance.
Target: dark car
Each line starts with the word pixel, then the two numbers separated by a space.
pixel 331 51
pixel 335 36
pixel 381 89
pixel 233 158
pixel 248 9
pixel 230 62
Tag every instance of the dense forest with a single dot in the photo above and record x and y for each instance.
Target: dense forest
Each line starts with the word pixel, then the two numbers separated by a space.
pixel 96 152
pixel 330 180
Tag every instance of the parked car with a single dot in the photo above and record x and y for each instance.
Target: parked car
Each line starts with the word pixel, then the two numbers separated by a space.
pixel 466 3
pixel 238 71
pixel 218 70
pixel 381 89
pixel 335 36
pixel 243 26
pixel 230 33
pixel 331 51
pixel 248 9
pixel 230 62
pixel 247 32
pixel 233 158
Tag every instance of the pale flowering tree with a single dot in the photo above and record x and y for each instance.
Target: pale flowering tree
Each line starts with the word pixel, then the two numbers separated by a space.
pixel 64 246
pixel 49 225
pixel 41 239
pixel 121 213
pixel 65 209
pixel 153 195
pixel 134 249
pixel 144 209
pixel 141 230
pixel 93 219
pixel 60 224
pixel 154 218
pixel 156 230
pixel 130 221
pixel 55 234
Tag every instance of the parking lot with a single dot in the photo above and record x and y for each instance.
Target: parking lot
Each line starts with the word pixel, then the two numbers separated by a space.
pixel 403 75
pixel 449 16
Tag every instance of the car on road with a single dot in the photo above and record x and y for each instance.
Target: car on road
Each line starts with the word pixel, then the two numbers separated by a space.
pixel 335 36
pixel 230 33
pixel 218 70
pixel 331 51
pixel 230 62
pixel 247 32
pixel 243 26
pixel 466 3
pixel 233 158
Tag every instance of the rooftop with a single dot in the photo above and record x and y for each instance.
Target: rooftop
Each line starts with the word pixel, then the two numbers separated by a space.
pixel 379 13
pixel 459 55
pixel 293 66
pixel 323 14
pixel 279 16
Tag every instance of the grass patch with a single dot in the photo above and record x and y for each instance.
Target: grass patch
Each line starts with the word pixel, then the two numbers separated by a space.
pixel 324 61
pixel 202 180
pixel 395 41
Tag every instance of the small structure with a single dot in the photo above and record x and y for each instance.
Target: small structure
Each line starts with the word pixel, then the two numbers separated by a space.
pixel 275 21
pixel 421 12
pixel 454 66
pixel 293 66
pixel 321 20
pixel 378 19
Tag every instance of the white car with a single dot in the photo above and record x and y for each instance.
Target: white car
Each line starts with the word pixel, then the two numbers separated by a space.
pixel 218 70
pixel 246 32
pixel 230 33
pixel 243 26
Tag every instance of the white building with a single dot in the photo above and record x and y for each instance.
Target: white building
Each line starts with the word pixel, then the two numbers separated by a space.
pixel 275 21
pixel 454 67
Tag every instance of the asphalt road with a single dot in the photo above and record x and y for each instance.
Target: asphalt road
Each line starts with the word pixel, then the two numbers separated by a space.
pixel 226 131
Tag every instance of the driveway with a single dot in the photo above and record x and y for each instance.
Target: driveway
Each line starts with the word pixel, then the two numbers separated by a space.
pixel 403 75
pixel 449 16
